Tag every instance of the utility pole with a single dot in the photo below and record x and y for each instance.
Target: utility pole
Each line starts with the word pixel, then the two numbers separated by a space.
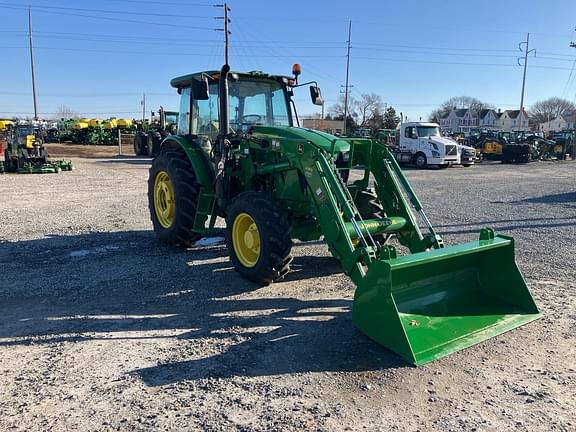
pixel 225 30
pixel 32 64
pixel 526 52
pixel 143 103
pixel 346 86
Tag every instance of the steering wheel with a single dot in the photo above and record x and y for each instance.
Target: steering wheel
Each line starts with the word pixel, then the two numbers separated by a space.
pixel 251 119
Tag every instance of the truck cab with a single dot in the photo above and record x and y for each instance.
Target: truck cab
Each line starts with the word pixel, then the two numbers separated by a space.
pixel 422 144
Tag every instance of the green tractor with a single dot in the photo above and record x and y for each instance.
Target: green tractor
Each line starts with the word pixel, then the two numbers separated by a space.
pixel 148 138
pixel 238 155
pixel 25 153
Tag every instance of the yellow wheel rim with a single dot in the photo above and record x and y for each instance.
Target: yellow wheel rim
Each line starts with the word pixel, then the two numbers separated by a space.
pixel 558 148
pixel 246 240
pixel 164 204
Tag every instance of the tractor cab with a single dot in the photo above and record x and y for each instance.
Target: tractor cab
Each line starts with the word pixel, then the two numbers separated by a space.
pixel 254 99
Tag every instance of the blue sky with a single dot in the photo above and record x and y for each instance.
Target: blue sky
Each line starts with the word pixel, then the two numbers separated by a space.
pixel 97 57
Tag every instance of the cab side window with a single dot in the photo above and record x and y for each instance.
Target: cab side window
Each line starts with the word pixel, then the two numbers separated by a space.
pixel 206 115
pixel 410 132
pixel 184 117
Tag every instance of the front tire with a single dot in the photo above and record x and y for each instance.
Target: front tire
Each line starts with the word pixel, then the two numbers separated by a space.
pixel 258 238
pixel 420 160
pixel 172 198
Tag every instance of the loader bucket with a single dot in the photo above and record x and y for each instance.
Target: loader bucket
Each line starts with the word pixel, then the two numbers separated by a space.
pixel 430 304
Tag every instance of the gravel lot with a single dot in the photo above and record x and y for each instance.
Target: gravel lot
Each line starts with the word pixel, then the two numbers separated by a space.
pixel 102 328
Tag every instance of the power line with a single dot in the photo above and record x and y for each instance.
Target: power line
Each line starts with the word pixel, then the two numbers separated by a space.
pixel 178 42
pixel 258 43
pixel 115 19
pixel 456 63
pixel 88 95
pixel 158 53
pixel 429 47
pixel 169 3
pixel 383 59
pixel 108 11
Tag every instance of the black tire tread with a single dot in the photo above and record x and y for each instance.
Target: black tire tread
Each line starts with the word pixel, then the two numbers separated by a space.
pixel 186 191
pixel 276 241
pixel 369 207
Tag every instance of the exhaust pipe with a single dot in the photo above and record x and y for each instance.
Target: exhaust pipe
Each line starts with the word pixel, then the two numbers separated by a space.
pixel 223 99
pixel 223 131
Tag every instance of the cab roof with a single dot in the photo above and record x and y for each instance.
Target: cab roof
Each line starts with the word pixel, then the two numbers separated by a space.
pixel 186 80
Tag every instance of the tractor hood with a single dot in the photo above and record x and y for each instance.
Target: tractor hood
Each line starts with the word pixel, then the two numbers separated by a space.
pixel 323 140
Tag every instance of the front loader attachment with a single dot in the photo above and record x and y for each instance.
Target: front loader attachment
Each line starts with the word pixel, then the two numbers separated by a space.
pixel 429 304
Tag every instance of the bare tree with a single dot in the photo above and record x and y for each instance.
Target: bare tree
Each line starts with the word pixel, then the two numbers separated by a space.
pixel 367 107
pixel 458 102
pixel 64 112
pixel 337 110
pixel 551 108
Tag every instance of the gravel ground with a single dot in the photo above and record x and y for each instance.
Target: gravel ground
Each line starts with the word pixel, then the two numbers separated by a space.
pixel 102 328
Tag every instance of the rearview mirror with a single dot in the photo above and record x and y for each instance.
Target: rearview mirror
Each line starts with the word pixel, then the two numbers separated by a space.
pixel 316 96
pixel 200 89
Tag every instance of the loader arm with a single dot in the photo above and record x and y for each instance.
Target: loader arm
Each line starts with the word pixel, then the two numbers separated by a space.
pixel 427 304
pixel 398 199
pixel 348 236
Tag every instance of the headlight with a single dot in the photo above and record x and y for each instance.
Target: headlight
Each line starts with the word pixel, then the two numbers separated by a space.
pixel 435 153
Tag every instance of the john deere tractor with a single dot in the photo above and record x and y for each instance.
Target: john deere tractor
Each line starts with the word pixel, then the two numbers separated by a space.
pixel 25 153
pixel 238 155
pixel 147 140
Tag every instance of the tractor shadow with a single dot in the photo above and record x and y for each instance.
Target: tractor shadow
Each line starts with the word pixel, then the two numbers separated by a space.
pixel 126 286
pixel 567 199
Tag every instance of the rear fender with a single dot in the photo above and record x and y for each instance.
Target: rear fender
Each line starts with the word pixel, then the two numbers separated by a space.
pixel 203 166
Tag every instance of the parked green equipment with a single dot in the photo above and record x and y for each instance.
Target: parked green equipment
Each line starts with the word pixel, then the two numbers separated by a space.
pixel 148 138
pixel 25 153
pixel 239 156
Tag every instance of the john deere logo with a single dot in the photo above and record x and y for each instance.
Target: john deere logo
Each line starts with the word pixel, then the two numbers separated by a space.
pixel 300 148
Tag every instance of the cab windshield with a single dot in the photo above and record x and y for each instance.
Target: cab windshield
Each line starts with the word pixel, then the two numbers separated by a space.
pixel 251 102
pixel 171 118
pixel 257 103
pixel 425 131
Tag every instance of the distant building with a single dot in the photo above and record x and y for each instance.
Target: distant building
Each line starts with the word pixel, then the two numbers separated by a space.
pixel 565 121
pixel 487 118
pixel 334 127
pixel 513 120
pixel 464 119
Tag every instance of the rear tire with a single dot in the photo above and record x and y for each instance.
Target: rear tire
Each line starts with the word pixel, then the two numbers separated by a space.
pixel 369 207
pixel 258 238
pixel 420 160
pixel 173 198
pixel 140 146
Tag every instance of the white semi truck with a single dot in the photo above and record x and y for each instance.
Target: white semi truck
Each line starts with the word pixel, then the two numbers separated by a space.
pixel 421 144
